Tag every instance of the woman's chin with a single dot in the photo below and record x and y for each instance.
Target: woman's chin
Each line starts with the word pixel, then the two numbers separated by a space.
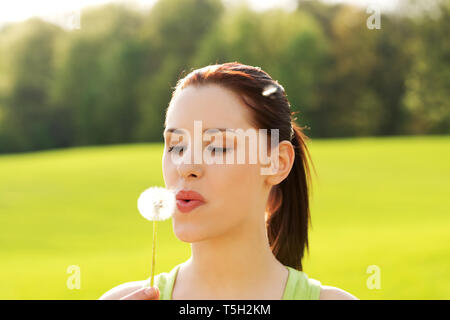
pixel 187 238
pixel 187 234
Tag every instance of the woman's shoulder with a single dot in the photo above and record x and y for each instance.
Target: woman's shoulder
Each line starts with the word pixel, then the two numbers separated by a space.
pixel 302 287
pixel 122 290
pixel 333 293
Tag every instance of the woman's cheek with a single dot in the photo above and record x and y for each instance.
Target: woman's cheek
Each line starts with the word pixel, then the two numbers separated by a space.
pixel 233 184
pixel 169 170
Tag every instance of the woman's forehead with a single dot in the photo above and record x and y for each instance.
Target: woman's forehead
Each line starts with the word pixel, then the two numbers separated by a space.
pixel 214 106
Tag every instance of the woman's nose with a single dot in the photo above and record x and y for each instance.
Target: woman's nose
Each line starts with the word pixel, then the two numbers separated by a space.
pixel 190 171
pixel 187 166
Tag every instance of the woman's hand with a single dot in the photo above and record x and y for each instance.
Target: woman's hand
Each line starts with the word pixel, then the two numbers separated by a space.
pixel 150 293
pixel 135 290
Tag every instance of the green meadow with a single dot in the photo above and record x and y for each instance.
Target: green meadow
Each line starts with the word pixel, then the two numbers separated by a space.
pixel 380 202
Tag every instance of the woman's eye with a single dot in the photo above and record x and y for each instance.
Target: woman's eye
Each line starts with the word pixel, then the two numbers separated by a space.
pixel 213 149
pixel 216 149
pixel 177 148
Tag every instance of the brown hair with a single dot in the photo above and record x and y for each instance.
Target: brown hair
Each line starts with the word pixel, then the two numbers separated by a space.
pixel 288 204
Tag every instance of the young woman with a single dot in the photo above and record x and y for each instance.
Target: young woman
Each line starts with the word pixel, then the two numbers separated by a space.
pixel 248 231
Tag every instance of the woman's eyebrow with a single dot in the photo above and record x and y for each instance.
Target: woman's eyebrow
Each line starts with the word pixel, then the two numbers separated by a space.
pixel 174 130
pixel 210 130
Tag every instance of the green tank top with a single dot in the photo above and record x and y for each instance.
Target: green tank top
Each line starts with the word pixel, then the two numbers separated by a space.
pixel 298 287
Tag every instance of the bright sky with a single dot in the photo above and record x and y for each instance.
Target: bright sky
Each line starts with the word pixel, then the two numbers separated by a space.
pixel 19 10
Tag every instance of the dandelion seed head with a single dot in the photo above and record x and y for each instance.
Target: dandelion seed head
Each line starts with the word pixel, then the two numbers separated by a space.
pixel 157 203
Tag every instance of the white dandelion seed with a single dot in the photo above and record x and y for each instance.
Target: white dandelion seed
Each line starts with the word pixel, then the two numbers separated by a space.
pixel 156 204
pixel 268 90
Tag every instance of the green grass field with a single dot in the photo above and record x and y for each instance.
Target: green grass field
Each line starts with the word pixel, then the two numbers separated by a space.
pixel 376 201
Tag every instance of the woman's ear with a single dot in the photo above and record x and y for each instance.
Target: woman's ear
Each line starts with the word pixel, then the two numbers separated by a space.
pixel 282 164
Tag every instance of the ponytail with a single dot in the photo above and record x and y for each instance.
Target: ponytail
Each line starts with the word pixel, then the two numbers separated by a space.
pixel 289 208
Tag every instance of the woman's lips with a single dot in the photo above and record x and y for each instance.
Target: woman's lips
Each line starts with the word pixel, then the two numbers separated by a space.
pixel 186 206
pixel 188 200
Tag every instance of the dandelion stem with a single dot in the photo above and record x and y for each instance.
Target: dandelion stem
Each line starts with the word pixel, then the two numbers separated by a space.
pixel 153 252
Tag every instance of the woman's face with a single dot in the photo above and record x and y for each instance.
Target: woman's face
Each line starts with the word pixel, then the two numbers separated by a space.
pixel 235 194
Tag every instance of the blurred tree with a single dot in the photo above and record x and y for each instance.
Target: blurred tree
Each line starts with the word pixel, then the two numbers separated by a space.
pixel 169 37
pixel 393 60
pixel 428 80
pixel 348 105
pixel 289 46
pixel 98 67
pixel 27 62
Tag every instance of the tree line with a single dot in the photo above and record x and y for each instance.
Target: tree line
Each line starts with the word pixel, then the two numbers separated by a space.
pixel 110 81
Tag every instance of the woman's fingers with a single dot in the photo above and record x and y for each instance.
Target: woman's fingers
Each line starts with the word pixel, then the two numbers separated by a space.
pixel 143 294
